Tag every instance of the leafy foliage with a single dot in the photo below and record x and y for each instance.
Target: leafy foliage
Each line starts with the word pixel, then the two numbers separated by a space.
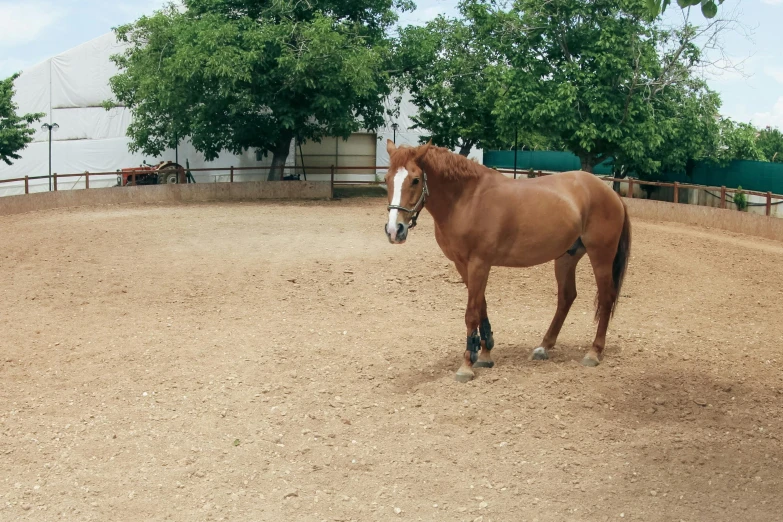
pixel 740 199
pixel 770 141
pixel 239 74
pixel 449 73
pixel 709 8
pixel 736 141
pixel 604 80
pixel 454 74
pixel 15 130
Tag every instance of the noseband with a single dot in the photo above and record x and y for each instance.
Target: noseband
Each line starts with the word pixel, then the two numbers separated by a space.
pixel 414 212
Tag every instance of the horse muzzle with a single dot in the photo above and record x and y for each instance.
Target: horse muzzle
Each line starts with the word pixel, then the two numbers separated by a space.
pixel 398 235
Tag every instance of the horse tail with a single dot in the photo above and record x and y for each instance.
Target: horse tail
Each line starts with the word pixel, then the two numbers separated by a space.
pixel 620 263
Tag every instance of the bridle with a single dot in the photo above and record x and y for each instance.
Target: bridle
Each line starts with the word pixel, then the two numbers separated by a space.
pixel 414 212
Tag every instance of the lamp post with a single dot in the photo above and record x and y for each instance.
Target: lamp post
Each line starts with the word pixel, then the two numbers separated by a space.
pixel 50 128
pixel 394 135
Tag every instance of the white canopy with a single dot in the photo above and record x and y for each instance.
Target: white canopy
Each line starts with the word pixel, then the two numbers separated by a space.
pixel 70 89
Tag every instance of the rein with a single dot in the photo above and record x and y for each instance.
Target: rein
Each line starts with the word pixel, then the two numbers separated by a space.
pixel 417 208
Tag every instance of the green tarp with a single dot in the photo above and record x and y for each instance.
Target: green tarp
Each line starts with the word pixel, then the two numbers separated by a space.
pixel 751 175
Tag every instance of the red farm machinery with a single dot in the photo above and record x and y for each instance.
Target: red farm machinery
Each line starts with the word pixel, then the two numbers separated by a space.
pixel 165 172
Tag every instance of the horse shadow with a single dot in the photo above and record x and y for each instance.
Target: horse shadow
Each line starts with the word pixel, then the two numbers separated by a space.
pixel 508 359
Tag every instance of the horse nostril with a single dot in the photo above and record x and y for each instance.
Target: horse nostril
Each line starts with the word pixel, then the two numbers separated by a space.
pixel 402 231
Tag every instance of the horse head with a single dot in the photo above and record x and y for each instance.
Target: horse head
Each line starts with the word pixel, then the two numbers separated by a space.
pixel 406 184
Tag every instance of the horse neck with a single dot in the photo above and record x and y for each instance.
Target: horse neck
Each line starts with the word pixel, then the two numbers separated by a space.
pixel 444 191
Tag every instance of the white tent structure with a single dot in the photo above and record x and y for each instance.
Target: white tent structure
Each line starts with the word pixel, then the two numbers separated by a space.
pixel 70 89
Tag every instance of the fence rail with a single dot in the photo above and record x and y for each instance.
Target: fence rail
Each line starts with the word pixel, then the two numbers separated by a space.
pixel 332 171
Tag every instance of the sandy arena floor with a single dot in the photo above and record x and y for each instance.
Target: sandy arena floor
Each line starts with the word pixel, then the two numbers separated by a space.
pixel 283 362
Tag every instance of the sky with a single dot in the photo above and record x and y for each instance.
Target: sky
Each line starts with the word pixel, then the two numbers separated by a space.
pixel 750 81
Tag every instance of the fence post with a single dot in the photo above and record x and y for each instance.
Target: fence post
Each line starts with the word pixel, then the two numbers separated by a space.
pixel 769 203
pixel 676 192
pixel 26 185
pixel 630 188
pixel 86 179
pixel 332 182
pixel 55 182
pixel 133 178
pixel 231 176
pixel 723 196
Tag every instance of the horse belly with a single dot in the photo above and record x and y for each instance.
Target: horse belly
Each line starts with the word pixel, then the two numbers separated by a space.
pixel 527 245
pixel 528 255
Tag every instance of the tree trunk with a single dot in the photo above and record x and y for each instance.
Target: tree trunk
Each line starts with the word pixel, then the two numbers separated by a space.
pixel 620 174
pixel 587 162
pixel 279 156
pixel 464 149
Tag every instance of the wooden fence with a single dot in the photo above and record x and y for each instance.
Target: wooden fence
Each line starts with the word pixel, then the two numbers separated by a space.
pixel 372 171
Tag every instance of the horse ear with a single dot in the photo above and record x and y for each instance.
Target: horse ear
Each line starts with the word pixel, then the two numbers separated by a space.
pixel 423 149
pixel 390 146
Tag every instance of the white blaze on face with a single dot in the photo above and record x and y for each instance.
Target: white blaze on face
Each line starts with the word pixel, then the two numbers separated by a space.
pixel 399 179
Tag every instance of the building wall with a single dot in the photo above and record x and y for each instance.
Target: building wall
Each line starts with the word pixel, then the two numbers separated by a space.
pixel 70 89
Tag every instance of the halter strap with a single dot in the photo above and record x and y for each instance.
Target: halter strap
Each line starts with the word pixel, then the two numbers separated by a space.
pixel 417 208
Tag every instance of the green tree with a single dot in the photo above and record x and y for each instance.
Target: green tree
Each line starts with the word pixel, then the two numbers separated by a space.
pixel 606 81
pixel 709 8
pixel 736 141
pixel 240 74
pixel 770 141
pixel 15 130
pixel 449 73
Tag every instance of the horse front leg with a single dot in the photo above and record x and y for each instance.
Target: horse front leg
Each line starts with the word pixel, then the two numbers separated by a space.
pixel 477 275
pixel 484 359
pixel 487 340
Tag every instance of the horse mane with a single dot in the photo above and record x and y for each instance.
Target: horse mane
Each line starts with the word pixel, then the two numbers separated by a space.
pixel 450 165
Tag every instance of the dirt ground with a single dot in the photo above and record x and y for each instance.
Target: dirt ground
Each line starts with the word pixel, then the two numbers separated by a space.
pixel 283 362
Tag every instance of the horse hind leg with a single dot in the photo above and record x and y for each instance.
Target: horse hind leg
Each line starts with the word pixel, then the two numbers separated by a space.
pixel 565 273
pixel 607 295
pixel 610 261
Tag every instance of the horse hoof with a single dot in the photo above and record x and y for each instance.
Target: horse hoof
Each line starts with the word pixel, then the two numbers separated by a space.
pixel 589 362
pixel 464 375
pixel 484 364
pixel 539 354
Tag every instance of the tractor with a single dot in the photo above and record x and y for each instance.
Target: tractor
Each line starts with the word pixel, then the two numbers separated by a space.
pixel 163 173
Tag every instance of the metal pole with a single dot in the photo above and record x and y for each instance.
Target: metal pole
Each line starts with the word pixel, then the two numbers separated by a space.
pixel 50 158
pixel 176 159
pixel 516 136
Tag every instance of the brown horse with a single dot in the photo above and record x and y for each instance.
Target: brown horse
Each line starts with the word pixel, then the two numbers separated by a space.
pixel 484 219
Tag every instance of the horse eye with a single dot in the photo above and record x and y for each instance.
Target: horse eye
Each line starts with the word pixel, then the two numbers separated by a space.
pixel 415 181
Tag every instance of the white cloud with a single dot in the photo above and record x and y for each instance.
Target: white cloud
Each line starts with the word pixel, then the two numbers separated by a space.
pixel 133 9
pixel 12 65
pixel 23 22
pixel 427 10
pixel 775 72
pixel 731 68
pixel 773 118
